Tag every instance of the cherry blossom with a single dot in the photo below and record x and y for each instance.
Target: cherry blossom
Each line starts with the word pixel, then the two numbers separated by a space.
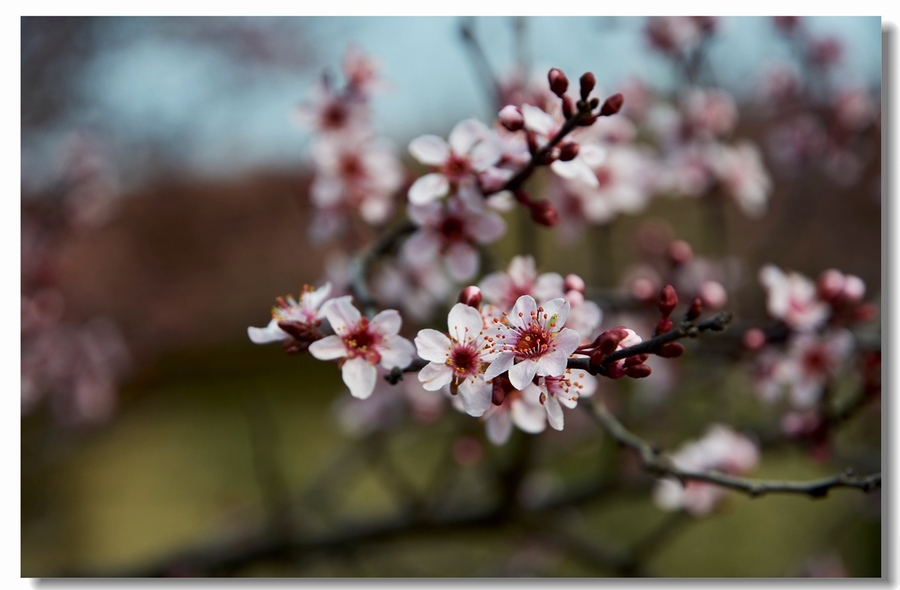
pixel 362 344
pixel 792 298
pixel 721 449
pixel 740 171
pixel 546 127
pixel 452 230
pixel 457 360
pixel 533 343
pixel 564 390
pixel 456 161
pixel 504 288
pixel 292 319
pixel 520 408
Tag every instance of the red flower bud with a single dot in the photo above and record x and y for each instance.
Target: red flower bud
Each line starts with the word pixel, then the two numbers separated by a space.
pixel 587 81
pixel 597 357
pixel 511 117
pixel 568 107
pixel 695 310
pixel 471 296
pixel 612 105
pixel 608 341
pixel 668 299
pixel 664 325
pixel 558 82
pixel 671 350
pixel 544 213
pixel 638 371
pixel 680 252
pixel 498 391
pixel 568 151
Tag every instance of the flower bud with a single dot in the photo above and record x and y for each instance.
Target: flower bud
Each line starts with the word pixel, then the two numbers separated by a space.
pixel 608 341
pixel 597 357
pixel 568 151
pixel 854 289
pixel 594 103
pixel 587 121
pixel 471 296
pixel 568 107
pixel 671 350
pixel 544 213
pixel 754 339
pixel 574 282
pixel 831 284
pixel 713 295
pixel 694 310
pixel 638 371
pixel 587 81
pixel 612 105
pixel 668 299
pixel 664 325
pixel 575 298
pixel 680 252
pixel 558 82
pixel 511 117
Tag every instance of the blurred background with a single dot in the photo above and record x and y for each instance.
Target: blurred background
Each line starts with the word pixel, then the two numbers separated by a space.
pixel 165 205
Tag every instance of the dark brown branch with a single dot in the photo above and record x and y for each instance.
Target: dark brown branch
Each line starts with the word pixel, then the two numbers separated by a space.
pixel 661 466
pixel 385 243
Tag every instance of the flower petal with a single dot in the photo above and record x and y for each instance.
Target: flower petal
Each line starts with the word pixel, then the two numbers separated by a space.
pixel 462 261
pixel 498 427
pixel 328 348
pixel 428 188
pixel 387 322
pixel 551 364
pixel 567 340
pixel 476 396
pixel 554 412
pixel 432 345
pixel 429 149
pixel 557 311
pixel 396 351
pixel 271 333
pixel 341 314
pixel 464 322
pixel 359 376
pixel 500 365
pixel 521 374
pixel 466 134
pixel 520 316
pixel 435 375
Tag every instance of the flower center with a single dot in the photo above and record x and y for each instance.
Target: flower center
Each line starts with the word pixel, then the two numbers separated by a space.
pixel 464 361
pixel 362 342
pixel 334 116
pixel 456 168
pixel 452 229
pixel 351 167
pixel 533 342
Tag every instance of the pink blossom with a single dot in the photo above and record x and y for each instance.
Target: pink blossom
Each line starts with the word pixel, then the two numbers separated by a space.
pixel 672 35
pixel 361 174
pixel 520 408
pixel 546 127
pixel 453 231
pixel 741 172
pixel 564 390
pixel 467 153
pixel 620 186
pixel 534 343
pixel 793 298
pixel 362 344
pixel 721 449
pixel 709 112
pixel 458 360
pixel 504 288
pixel 291 317
pixel 415 289
pixel 331 114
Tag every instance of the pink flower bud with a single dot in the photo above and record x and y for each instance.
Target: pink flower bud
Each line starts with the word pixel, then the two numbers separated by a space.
pixel 575 298
pixel 671 350
pixel 568 151
pixel 612 105
pixel 668 300
pixel 643 289
pixel 854 289
pixel 831 284
pixel 587 81
pixel 544 213
pixel 754 339
pixel 574 283
pixel 680 252
pixel 695 310
pixel 558 82
pixel 471 296
pixel 511 117
pixel 713 295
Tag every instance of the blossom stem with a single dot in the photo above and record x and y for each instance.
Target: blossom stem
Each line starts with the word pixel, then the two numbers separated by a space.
pixel 660 466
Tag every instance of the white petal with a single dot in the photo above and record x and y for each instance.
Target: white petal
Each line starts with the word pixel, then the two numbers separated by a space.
pixel 537 120
pixel 466 134
pixel 531 419
pixel 476 396
pixel 522 373
pixel 429 149
pixel 341 314
pixel 428 188
pixel 396 351
pixel 464 322
pixel 575 170
pixel 432 345
pixel 387 322
pixel 486 154
pixel 567 340
pixel 498 427
pixel 271 333
pixel 328 348
pixel 359 376
pixel 592 155
pixel 462 261
pixel 500 365
pixel 551 364
pixel 488 228
pixel 554 412
pixel 435 375
pixel 421 247
pixel 558 307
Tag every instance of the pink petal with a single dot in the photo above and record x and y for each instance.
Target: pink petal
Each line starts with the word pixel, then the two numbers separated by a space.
pixel 554 412
pixel 435 375
pixel 328 348
pixel 476 396
pixel 271 333
pixel 464 322
pixel 500 365
pixel 428 188
pixel 498 427
pixel 462 261
pixel 575 170
pixel 396 351
pixel 427 214
pixel 359 376
pixel 466 134
pixel 531 419
pixel 486 154
pixel 550 364
pixel 521 374
pixel 432 345
pixel 537 120
pixel 558 307
pixel 429 149
pixel 488 228
pixel 341 314
pixel 520 316
pixel 567 340
pixel 387 322
pixel 422 247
